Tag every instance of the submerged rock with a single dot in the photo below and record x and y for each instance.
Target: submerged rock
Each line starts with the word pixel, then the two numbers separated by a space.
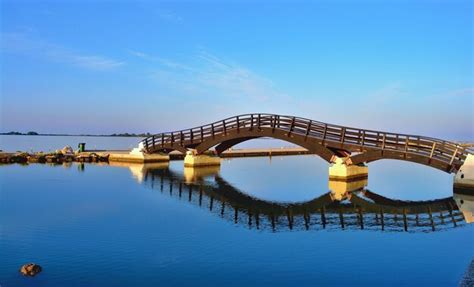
pixel 30 269
pixel 51 158
pixel 19 158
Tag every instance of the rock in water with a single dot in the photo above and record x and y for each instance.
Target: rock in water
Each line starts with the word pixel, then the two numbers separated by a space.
pixel 67 150
pixel 30 269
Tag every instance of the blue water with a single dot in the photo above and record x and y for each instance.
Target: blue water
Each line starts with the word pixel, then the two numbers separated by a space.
pixel 12 143
pixel 100 225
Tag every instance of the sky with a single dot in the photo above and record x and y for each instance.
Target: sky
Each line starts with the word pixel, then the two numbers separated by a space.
pixel 104 67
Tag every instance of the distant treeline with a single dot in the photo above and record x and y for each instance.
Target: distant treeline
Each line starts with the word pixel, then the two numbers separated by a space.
pixel 31 133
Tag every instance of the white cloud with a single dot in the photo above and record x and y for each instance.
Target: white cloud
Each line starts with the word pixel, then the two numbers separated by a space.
pixel 18 43
pixel 211 75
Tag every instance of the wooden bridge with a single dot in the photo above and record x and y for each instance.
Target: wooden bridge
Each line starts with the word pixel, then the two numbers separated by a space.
pixel 328 141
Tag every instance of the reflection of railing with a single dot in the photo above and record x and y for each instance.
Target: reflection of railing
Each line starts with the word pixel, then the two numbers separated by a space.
pixel 359 210
pixel 334 136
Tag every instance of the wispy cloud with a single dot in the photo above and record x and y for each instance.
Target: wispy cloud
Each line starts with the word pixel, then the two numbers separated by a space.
pixel 209 74
pixel 19 43
pixel 161 61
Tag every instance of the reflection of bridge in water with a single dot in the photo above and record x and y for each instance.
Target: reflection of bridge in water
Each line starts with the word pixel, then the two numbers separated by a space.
pixel 347 206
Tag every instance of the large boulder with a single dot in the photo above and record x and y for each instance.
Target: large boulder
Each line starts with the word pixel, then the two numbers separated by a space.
pixel 30 269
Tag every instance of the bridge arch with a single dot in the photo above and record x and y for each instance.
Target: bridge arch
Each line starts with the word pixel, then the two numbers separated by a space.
pixel 235 137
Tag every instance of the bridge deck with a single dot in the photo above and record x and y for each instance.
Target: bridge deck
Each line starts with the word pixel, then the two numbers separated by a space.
pixel 324 139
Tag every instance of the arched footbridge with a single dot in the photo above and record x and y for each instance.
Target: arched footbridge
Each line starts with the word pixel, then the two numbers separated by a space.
pixel 328 141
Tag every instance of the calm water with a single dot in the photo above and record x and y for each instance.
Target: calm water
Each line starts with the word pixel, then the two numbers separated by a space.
pixel 254 221
pixel 51 143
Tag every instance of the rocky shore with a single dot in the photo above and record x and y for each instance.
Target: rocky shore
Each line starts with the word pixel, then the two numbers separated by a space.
pixel 59 156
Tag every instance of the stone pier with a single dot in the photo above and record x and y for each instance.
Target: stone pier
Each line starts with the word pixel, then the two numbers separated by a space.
pixel 194 160
pixel 339 170
pixel 464 178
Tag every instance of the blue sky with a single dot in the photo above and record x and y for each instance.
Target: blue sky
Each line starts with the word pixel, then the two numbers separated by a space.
pixel 104 67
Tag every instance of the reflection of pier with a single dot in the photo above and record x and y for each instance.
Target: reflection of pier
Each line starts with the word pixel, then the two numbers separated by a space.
pixel 350 208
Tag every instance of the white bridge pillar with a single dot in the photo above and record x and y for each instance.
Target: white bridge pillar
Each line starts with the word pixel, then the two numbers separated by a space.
pixel 339 170
pixel 464 178
pixel 192 159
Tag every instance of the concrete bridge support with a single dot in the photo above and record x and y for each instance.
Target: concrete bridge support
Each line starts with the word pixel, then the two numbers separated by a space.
pixel 340 170
pixel 192 159
pixel 464 178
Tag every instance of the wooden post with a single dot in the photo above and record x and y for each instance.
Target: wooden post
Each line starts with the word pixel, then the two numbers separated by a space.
pixel 162 140
pixel 273 119
pixel 290 218
pixel 383 141
pixel 432 152
pixel 361 216
pixel 382 221
pixel 225 129
pixel 258 121
pixel 192 135
pixel 222 208
pixel 236 214
pixel 200 195
pixel 257 220
pixel 450 208
pixel 454 155
pixel 308 128
pixel 212 130
pixel 341 218
pixel 323 216
pixel 238 125
pixel 405 223
pixel 202 134
pixel 249 213
pixel 291 126
pixel 324 133
pixel 431 218
pixel 406 147
pixel 306 219
pixel 343 135
pixel 273 221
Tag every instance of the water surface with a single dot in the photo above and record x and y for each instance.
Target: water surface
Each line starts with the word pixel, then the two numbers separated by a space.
pixel 129 225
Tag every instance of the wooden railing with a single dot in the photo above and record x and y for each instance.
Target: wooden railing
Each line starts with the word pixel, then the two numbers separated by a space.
pixel 329 134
